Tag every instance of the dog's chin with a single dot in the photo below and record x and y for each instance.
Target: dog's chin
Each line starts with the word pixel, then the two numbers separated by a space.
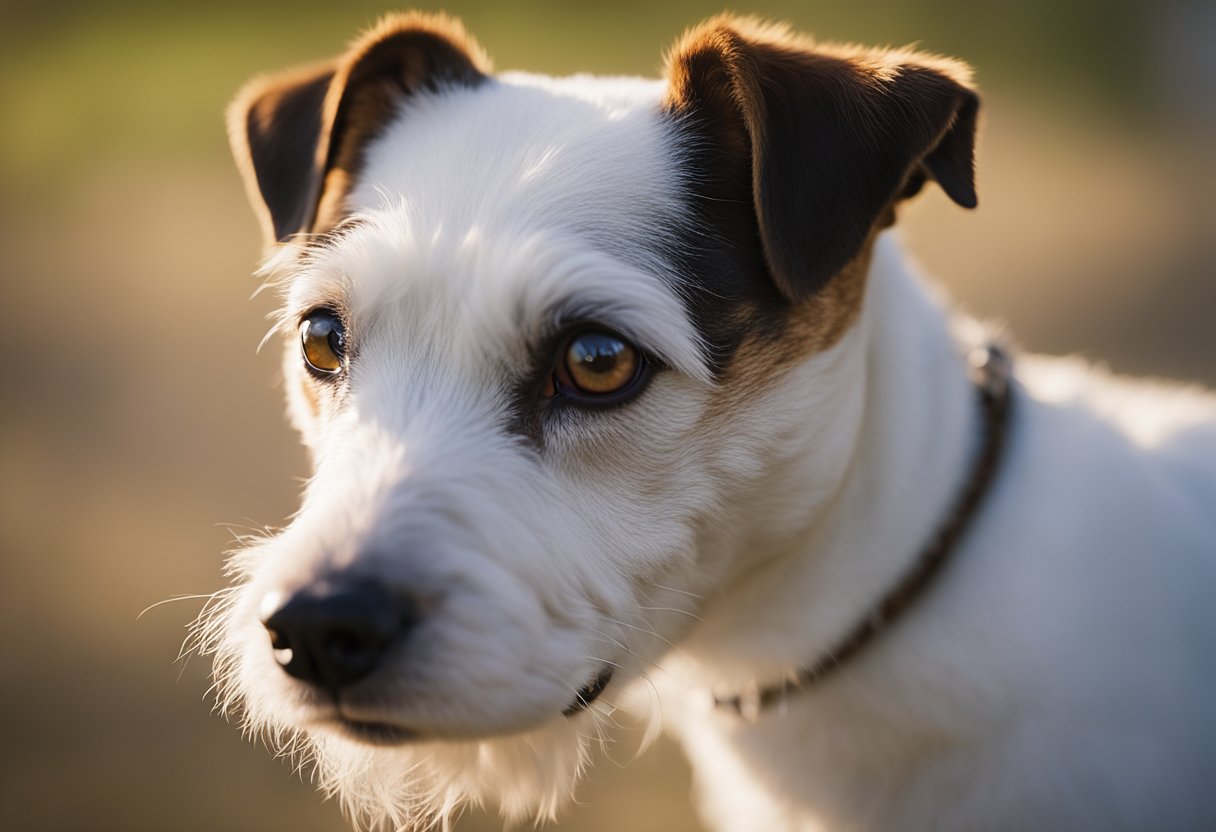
pixel 391 775
pixel 386 776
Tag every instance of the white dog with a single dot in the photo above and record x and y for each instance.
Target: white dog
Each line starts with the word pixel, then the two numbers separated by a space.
pixel 592 367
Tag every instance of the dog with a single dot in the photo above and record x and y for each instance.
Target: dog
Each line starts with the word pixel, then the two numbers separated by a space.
pixel 623 390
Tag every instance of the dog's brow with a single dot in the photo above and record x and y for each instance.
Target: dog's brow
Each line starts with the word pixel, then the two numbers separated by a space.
pixel 326 240
pixel 637 322
pixel 307 289
pixel 582 309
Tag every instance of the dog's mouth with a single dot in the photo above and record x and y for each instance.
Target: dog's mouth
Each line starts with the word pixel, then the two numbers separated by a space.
pixel 388 734
pixel 375 733
pixel 589 693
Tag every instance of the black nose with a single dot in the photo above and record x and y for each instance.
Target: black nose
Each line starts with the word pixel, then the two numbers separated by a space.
pixel 334 636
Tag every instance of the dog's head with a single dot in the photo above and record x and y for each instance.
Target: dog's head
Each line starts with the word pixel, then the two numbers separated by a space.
pixel 569 354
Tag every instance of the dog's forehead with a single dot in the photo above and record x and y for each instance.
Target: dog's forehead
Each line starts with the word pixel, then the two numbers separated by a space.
pixel 589 156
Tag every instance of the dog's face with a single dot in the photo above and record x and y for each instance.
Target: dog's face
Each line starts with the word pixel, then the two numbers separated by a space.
pixel 568 355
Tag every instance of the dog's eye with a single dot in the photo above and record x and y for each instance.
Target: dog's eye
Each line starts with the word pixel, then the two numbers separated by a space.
pixel 323 341
pixel 597 367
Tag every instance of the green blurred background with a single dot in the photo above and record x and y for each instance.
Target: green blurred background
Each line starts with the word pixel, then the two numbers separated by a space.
pixel 138 425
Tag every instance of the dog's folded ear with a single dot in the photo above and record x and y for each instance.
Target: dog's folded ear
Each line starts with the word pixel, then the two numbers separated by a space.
pixel 828 138
pixel 299 137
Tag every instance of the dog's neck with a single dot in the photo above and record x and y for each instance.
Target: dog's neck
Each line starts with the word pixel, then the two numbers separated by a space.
pixel 919 425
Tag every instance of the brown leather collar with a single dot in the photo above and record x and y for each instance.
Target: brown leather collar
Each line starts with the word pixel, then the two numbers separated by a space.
pixel 991 372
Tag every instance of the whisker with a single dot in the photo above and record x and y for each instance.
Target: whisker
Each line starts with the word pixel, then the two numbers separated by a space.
pixel 645 630
pixel 606 661
pixel 638 674
pixel 170 601
pixel 674 609
pixel 626 648
pixel 680 591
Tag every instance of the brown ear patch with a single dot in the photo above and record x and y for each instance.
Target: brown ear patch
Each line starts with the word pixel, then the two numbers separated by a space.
pixel 404 55
pixel 798 154
pixel 299 137
pixel 762 357
pixel 832 134
pixel 274 126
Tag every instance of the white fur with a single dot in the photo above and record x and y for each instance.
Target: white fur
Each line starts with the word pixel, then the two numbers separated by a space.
pixel 1057 676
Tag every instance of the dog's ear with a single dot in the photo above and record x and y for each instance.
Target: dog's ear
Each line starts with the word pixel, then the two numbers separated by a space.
pixel 829 138
pixel 299 138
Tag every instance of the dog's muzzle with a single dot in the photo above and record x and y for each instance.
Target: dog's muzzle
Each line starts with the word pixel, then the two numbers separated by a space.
pixel 336 634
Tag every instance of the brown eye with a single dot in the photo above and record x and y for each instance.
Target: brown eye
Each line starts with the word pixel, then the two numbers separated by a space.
pixel 598 367
pixel 323 341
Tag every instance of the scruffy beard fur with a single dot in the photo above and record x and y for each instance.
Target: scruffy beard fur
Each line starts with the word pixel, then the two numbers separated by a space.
pixel 529 777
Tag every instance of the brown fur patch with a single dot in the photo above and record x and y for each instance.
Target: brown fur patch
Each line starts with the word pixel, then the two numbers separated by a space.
pixel 298 137
pixel 404 54
pixel 809 327
pixel 274 125
pixel 799 153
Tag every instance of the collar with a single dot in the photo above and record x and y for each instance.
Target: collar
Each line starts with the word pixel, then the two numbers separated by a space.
pixel 990 371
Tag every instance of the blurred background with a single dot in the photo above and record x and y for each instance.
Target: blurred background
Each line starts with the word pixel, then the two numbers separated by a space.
pixel 138 426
